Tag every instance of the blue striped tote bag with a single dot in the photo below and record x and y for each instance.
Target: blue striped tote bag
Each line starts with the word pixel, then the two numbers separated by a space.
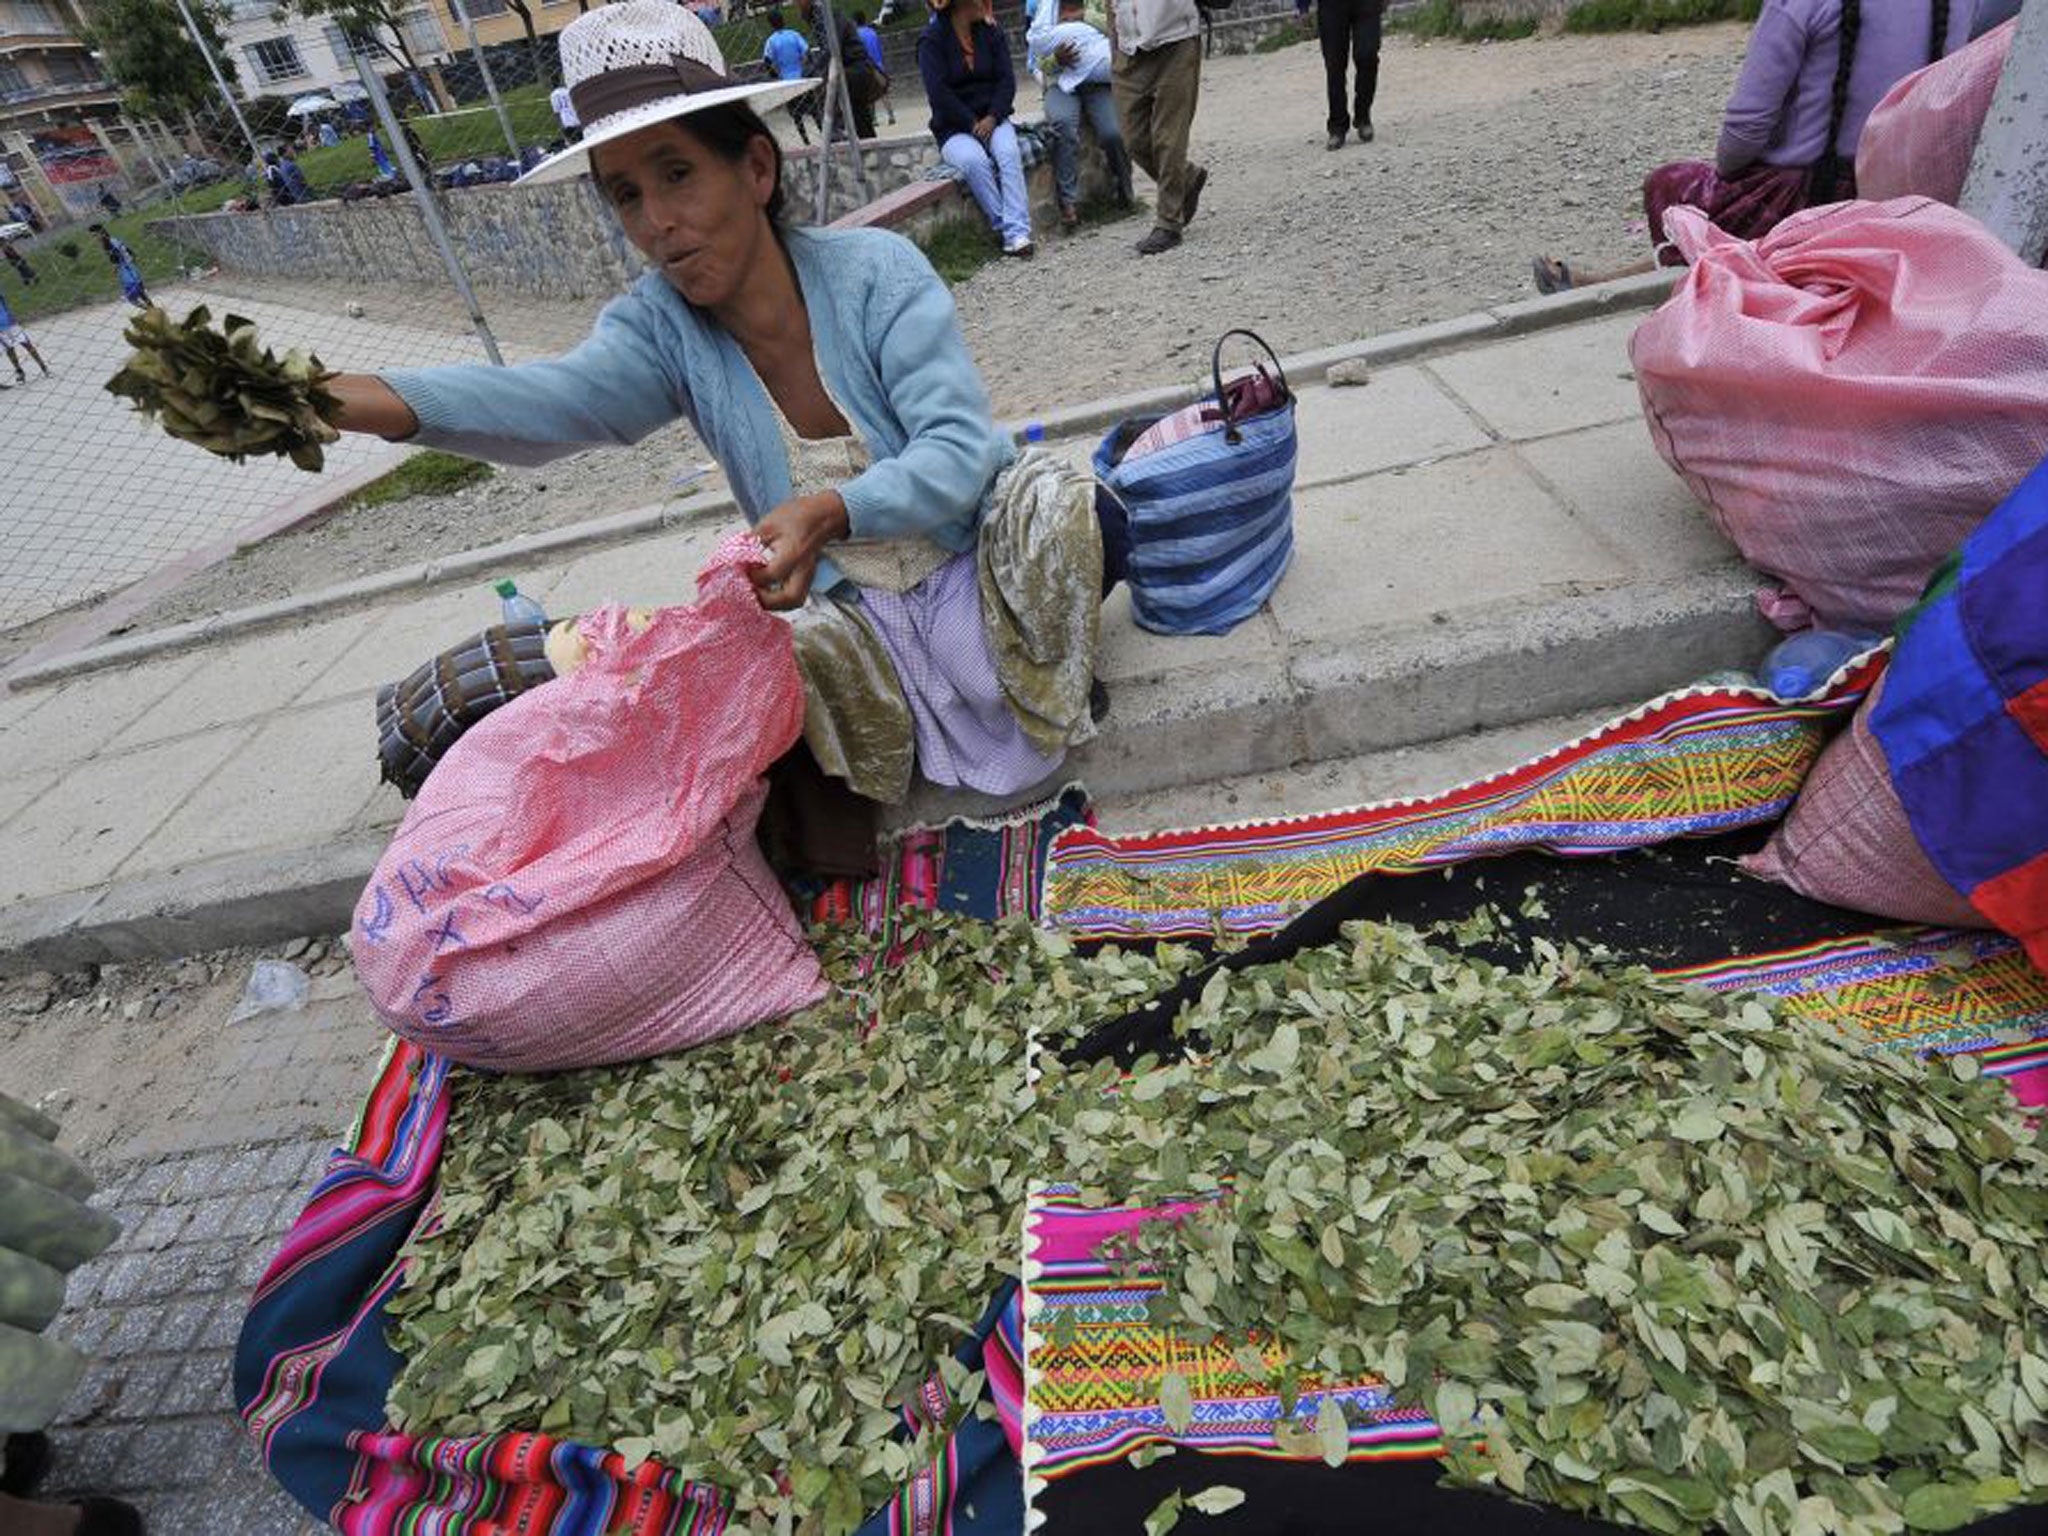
pixel 1209 493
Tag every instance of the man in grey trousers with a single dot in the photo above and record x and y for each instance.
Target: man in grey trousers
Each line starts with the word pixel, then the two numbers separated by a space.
pixel 1156 78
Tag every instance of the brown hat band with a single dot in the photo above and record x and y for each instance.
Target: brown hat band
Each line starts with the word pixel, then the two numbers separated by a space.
pixel 635 85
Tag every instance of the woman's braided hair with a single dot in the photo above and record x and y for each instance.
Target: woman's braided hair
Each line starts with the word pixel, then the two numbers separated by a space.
pixel 1827 171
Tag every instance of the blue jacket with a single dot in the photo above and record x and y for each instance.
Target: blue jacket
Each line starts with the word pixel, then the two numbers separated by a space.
pixel 888 347
pixel 961 94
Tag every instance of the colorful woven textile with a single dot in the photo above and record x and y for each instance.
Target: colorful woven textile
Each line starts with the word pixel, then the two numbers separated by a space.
pixel 313 1367
pixel 1702 761
pixel 1964 719
pixel 1096 1399
pixel 982 869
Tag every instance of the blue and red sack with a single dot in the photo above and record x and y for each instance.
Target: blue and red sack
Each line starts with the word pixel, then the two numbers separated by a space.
pixel 1209 493
pixel 1964 718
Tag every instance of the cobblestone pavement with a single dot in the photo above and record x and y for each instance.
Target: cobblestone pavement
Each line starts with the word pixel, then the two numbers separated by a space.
pixel 206 1137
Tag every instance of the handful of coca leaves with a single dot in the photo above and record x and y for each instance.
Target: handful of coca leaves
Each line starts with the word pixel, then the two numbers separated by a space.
pixel 1644 1251
pixel 224 390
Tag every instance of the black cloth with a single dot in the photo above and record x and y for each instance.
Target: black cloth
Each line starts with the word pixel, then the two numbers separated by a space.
pixel 1291 1498
pixel 960 93
pixel 1679 903
pixel 1350 30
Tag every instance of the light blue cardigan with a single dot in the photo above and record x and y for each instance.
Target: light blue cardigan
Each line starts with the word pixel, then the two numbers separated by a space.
pixel 889 349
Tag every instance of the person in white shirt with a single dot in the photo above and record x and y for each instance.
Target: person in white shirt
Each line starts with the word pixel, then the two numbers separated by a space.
pixel 1072 62
pixel 1156 77
pixel 565 113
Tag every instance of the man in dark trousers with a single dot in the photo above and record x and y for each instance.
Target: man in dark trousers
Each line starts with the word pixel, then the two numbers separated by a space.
pixel 1155 78
pixel 1349 29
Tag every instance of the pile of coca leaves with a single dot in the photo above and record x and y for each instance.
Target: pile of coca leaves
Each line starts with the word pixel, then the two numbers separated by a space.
pixel 744 1259
pixel 224 390
pixel 1644 1252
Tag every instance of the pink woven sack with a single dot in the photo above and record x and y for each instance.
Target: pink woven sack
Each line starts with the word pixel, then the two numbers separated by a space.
pixel 1918 140
pixel 1847 840
pixel 578 881
pixel 1850 395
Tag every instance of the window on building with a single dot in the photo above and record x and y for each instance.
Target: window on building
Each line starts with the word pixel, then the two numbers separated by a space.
pixel 12 81
pixel 479 9
pixel 422 34
pixel 70 69
pixel 275 59
pixel 337 43
pixel 31 16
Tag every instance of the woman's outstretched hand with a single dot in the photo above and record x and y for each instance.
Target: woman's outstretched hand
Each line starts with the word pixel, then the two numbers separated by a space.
pixel 796 534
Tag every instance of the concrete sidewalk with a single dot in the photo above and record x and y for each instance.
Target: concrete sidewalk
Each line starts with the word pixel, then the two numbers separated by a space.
pixel 1484 537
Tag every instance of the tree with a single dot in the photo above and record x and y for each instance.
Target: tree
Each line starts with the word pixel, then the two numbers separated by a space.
pixel 374 22
pixel 146 50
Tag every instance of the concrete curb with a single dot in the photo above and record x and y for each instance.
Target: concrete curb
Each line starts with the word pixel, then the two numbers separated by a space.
pixel 46 665
pixel 1381 691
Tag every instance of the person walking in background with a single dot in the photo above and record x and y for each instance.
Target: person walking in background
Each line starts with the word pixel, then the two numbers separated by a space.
pixel 330 136
pixel 871 40
pixel 1788 140
pixel 565 113
pixel 1349 31
pixel 381 158
pixel 124 266
pixel 785 53
pixel 11 336
pixel 1072 61
pixel 863 80
pixel 1156 76
pixel 17 261
pixel 971 85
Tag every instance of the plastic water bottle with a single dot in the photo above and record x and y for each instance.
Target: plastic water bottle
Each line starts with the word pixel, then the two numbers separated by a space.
pixel 1800 664
pixel 518 609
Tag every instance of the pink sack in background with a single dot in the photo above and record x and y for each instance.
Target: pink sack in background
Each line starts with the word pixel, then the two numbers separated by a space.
pixel 578 881
pixel 1851 394
pixel 1847 841
pixel 1919 138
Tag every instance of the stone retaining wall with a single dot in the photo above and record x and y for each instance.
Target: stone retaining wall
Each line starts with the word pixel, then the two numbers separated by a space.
pixel 557 241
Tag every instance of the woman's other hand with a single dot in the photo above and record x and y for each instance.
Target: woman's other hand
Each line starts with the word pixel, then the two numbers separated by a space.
pixel 368 404
pixel 796 534
pixel 983 127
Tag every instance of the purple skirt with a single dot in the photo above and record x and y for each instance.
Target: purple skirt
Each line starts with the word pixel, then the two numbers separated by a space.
pixel 1748 205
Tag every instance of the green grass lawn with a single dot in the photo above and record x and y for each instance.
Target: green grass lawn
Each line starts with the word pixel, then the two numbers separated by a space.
pixel 66 282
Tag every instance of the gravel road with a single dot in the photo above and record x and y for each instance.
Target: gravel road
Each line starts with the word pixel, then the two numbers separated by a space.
pixel 1486 154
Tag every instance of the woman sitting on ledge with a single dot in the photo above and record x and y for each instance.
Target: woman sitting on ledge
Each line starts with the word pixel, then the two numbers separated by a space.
pixel 1814 70
pixel 949 590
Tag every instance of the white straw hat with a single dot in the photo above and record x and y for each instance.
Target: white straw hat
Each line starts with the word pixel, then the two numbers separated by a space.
pixel 637 62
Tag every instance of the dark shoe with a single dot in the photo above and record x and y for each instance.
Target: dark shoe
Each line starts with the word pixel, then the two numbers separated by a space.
pixel 1161 239
pixel 1336 141
pixel 27 1459
pixel 1365 133
pixel 1551 276
pixel 1198 178
pixel 1070 218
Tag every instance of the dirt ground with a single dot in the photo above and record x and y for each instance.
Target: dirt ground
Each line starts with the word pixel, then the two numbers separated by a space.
pixel 1486 155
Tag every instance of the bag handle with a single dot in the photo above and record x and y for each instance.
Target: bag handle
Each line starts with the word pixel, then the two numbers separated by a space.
pixel 1231 434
